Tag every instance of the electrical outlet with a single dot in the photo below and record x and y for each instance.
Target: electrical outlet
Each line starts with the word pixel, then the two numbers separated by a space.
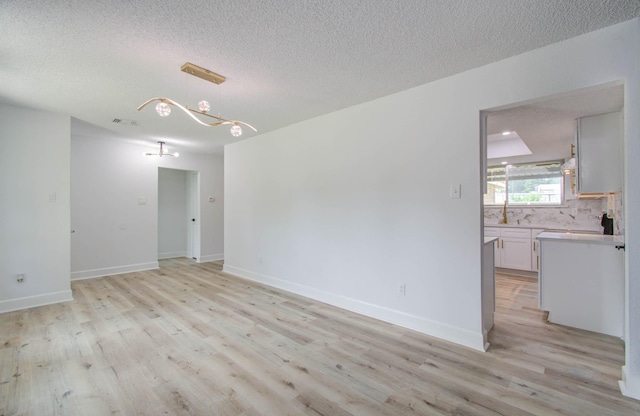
pixel 20 277
pixel 402 289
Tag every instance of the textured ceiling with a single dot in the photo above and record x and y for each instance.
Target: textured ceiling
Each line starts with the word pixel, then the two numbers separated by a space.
pixel 548 127
pixel 285 60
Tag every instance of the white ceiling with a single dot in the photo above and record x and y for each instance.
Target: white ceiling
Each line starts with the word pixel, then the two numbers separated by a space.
pixel 548 125
pixel 285 60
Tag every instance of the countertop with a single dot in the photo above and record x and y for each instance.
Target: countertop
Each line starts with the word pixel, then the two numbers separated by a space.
pixel 515 226
pixel 488 240
pixel 576 237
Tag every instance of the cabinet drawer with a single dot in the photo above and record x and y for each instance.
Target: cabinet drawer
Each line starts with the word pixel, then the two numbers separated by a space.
pixel 492 232
pixel 516 232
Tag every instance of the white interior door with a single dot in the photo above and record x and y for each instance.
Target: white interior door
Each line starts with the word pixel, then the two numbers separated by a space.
pixel 193 233
pixel 173 210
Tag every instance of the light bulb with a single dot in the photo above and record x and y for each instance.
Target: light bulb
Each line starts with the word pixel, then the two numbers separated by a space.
pixel 176 154
pixel 204 106
pixel 236 130
pixel 163 109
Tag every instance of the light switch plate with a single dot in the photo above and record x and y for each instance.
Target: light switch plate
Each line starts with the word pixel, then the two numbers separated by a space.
pixel 455 191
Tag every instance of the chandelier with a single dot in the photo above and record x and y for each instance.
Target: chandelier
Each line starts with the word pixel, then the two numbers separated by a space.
pixel 163 152
pixel 163 107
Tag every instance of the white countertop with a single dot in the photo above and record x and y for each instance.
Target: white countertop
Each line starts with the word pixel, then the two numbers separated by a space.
pixel 515 225
pixel 488 240
pixel 582 238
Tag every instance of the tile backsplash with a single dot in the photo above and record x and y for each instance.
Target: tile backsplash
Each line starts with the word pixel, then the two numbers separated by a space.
pixel 575 214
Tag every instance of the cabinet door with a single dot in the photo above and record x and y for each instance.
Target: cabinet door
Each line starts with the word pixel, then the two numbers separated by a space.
pixel 535 249
pixel 515 253
pixel 600 153
pixel 494 232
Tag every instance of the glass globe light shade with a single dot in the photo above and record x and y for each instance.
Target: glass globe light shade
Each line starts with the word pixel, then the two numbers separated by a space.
pixel 236 130
pixel 204 106
pixel 163 109
pixel 176 154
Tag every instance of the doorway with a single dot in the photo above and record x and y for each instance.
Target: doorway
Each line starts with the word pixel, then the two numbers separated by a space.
pixel 178 214
pixel 548 128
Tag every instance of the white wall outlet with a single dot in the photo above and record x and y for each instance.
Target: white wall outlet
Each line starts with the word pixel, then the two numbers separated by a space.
pixel 455 191
pixel 52 197
pixel 20 277
pixel 402 289
pixel 142 201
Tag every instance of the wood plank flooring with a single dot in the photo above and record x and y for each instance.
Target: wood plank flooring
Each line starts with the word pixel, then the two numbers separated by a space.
pixel 188 339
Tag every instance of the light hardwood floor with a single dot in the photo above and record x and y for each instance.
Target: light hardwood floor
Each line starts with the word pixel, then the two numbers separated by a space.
pixel 189 339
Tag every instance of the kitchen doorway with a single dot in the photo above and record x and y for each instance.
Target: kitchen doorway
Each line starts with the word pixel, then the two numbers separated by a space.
pixel 547 127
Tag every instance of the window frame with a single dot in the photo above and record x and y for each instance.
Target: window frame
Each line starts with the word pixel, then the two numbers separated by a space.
pixel 506 182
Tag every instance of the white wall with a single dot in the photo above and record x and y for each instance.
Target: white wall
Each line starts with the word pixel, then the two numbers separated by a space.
pixel 173 214
pixel 34 207
pixel 114 233
pixel 345 207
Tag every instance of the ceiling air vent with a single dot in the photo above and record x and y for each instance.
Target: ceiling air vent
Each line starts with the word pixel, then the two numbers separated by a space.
pixel 123 122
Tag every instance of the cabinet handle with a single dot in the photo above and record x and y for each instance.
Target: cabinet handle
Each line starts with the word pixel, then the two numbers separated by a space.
pixel 534 246
pixel 502 243
pixel 538 262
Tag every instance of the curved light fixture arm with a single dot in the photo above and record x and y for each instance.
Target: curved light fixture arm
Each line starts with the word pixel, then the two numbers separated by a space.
pixel 189 111
pixel 221 120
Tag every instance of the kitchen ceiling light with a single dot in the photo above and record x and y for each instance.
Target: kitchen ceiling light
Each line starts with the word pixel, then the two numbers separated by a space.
pixel 163 108
pixel 163 152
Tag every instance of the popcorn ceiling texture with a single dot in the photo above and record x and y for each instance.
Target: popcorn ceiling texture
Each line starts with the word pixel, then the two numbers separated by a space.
pixel 575 215
pixel 285 60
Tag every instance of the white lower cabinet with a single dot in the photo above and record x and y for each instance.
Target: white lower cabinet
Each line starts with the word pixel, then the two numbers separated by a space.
pixel 516 253
pixel 582 285
pixel 513 247
pixel 535 249
pixel 494 232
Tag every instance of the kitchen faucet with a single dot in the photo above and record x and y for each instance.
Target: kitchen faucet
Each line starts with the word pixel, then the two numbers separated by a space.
pixel 504 213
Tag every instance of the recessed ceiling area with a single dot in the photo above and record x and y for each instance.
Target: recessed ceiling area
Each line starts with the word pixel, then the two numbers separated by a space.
pixel 548 125
pixel 506 144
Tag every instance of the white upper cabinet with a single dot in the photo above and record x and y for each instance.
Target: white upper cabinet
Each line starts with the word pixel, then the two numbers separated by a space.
pixel 599 145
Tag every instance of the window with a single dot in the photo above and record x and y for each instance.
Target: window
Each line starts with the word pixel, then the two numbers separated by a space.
pixel 525 184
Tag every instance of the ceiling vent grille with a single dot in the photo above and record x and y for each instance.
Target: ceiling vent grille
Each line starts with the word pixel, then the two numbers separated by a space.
pixel 124 122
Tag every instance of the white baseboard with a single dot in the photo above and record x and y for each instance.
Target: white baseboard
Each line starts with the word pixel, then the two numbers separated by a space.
pixel 172 254
pixel 436 329
pixel 211 257
pixel 109 271
pixel 33 301
pixel 630 384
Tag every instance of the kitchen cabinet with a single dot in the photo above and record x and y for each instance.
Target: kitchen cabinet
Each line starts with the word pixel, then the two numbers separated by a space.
pixel 599 153
pixel 488 288
pixel 516 253
pixel 513 247
pixel 494 232
pixel 535 249
pixel 581 281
